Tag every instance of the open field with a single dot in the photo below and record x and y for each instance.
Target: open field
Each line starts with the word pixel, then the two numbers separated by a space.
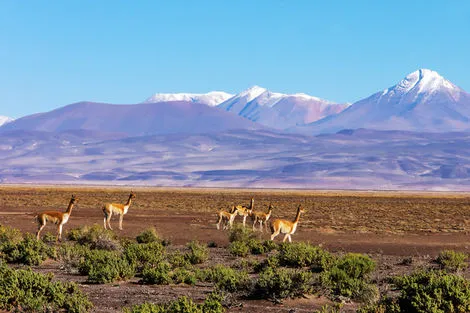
pixel 388 226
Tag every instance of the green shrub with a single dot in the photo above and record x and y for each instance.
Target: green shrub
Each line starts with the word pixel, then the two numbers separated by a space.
pixel 70 255
pixel 27 291
pixel 28 251
pixel 147 236
pixel 240 233
pixel 283 283
pixel 148 254
pixel 181 275
pixel 434 292
pixel 452 261
pixel 302 254
pixel 348 277
pixel 198 253
pixel 239 248
pixel 270 262
pixel 212 304
pixel 158 274
pixel 96 237
pixel 226 278
pixel 177 259
pixel 103 266
pixel 9 236
pixel 330 309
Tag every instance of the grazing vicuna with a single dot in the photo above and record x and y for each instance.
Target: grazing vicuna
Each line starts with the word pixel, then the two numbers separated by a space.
pixel 261 217
pixel 246 211
pixel 226 217
pixel 286 227
pixel 118 208
pixel 55 217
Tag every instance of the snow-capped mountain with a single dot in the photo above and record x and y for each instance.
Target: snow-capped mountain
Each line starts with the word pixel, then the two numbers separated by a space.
pixel 133 119
pixel 5 119
pixel 212 98
pixel 422 101
pixel 279 110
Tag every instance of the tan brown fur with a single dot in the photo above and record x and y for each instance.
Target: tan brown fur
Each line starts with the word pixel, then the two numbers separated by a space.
pixel 226 218
pixel 246 211
pixel 261 217
pixel 55 217
pixel 117 208
pixel 286 227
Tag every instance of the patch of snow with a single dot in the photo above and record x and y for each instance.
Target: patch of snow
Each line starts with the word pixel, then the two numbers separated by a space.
pixel 5 119
pixel 212 98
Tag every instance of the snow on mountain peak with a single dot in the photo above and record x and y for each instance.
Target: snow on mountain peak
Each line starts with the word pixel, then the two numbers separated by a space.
pixel 252 93
pixel 5 119
pixel 212 98
pixel 422 81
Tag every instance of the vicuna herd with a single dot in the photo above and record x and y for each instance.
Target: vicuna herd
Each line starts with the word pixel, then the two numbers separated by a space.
pixel 225 218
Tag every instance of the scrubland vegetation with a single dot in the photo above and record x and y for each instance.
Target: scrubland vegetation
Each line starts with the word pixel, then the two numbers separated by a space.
pixel 251 269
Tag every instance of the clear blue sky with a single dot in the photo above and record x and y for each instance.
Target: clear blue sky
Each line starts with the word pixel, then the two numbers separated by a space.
pixel 53 53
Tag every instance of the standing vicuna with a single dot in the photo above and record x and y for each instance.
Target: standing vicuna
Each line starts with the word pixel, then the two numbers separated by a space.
pixel 285 226
pixel 226 217
pixel 261 217
pixel 58 218
pixel 246 211
pixel 118 208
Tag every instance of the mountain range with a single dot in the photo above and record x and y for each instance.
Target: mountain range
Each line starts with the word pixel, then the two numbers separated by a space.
pixel 413 135
pixel 422 101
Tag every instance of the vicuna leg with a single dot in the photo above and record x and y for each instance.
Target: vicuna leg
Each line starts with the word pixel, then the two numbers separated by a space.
pixel 59 232
pixel 275 234
pixel 41 226
pixel 121 216
pixel 285 237
pixel 219 221
pixel 107 219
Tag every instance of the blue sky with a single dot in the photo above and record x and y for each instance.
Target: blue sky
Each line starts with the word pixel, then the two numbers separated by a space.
pixel 53 53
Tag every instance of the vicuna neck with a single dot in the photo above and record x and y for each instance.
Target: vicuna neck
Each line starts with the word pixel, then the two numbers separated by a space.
pixel 297 217
pixel 69 208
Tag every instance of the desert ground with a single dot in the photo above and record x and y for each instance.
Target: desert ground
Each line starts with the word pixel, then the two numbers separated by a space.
pixel 388 226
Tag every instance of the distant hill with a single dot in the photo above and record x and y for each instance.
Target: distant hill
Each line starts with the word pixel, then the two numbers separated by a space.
pixel 134 119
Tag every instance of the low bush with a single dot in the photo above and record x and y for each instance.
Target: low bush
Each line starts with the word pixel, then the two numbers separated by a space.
pixel 226 278
pixel 29 251
pixel 212 304
pixel 71 255
pixel 103 266
pixel 452 261
pixel 433 291
pixel 177 259
pixel 96 237
pixel 283 283
pixel 198 253
pixel 239 248
pixel 158 274
pixel 182 275
pixel 301 254
pixel 147 254
pixel 348 277
pixel 240 233
pixel 147 236
pixel 9 236
pixel 27 291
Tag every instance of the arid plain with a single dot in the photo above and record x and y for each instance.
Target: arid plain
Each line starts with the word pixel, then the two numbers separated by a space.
pixel 388 226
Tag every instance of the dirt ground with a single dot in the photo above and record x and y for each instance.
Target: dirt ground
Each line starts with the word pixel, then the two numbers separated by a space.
pixel 388 226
